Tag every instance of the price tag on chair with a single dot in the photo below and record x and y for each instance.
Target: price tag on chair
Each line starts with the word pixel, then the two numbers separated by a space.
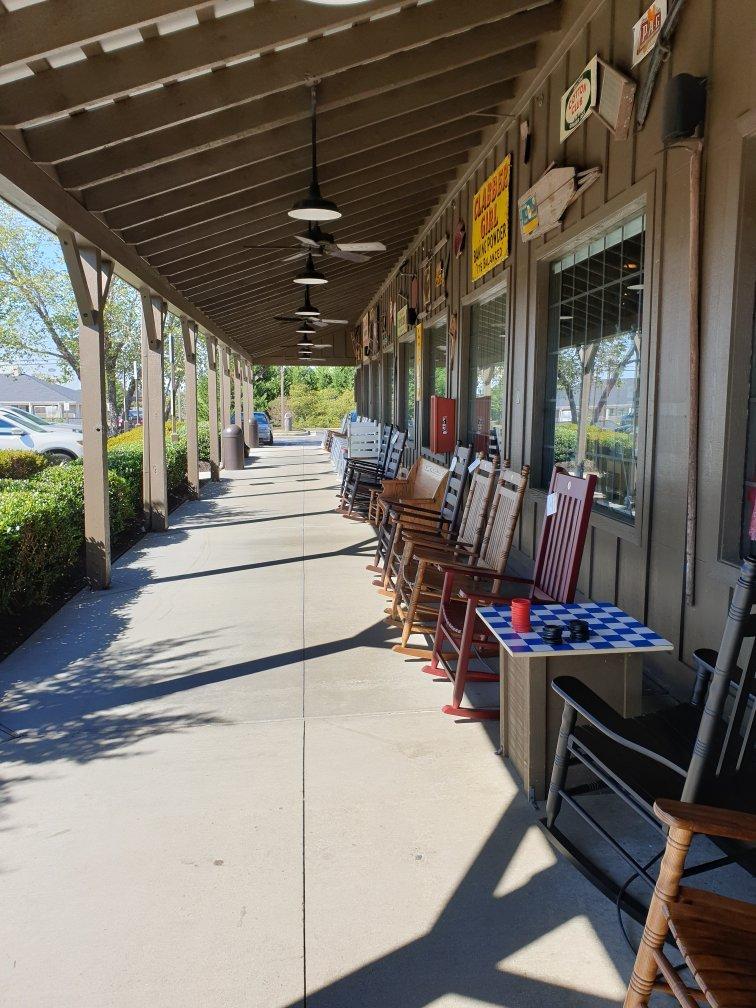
pixel 551 504
pixel 473 465
pixel 453 466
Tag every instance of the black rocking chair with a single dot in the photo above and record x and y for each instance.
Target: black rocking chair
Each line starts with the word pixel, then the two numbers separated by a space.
pixel 701 751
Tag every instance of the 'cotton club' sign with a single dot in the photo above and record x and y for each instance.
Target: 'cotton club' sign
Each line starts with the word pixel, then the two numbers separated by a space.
pixel 490 217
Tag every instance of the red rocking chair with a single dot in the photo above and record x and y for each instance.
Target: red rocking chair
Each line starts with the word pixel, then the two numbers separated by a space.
pixel 555 574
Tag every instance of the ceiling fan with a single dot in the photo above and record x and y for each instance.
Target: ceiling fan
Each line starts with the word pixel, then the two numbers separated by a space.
pixel 320 243
pixel 310 315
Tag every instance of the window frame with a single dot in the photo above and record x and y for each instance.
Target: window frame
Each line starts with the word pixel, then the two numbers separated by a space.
pixel 407 341
pixel 741 350
pixel 440 318
pixel 640 198
pixel 500 284
pixel 387 404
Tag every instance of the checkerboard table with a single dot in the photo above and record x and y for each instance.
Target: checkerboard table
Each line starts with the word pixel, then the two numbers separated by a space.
pixel 610 662
pixel 611 629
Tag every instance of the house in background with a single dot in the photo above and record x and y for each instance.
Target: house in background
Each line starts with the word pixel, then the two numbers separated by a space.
pixel 43 398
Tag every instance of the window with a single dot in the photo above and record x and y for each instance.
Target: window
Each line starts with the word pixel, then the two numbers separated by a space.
pixel 593 367
pixel 375 378
pixel 487 371
pixel 409 388
pixel 748 517
pixel 437 359
pixel 388 387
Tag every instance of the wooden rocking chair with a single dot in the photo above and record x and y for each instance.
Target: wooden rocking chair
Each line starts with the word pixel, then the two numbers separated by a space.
pixel 699 751
pixel 555 575
pixel 419 545
pixel 397 516
pixel 361 480
pixel 716 935
pixel 367 465
pixel 423 487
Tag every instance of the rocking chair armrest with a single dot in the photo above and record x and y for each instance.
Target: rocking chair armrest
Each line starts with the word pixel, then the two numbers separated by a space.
pixel 416 538
pixel 605 719
pixel 460 568
pixel 706 820
pixel 493 597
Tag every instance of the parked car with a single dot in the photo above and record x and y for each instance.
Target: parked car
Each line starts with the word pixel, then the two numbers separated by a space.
pixel 44 425
pixel 264 427
pixel 18 434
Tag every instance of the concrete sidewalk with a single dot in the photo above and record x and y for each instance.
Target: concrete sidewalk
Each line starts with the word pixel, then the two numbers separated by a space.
pixel 228 791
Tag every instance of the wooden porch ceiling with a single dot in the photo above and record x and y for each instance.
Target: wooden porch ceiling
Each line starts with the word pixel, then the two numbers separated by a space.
pixel 184 129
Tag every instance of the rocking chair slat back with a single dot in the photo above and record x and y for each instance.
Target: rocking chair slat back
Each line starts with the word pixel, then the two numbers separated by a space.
pixel 477 505
pixel 451 506
pixel 394 454
pixel 725 741
pixel 502 521
pixel 560 550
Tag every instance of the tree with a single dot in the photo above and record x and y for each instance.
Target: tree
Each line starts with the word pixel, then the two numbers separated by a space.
pixel 39 321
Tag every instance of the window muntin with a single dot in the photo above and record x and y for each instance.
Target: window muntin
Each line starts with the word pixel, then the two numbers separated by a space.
pixel 593 366
pixel 410 390
pixel 388 387
pixel 437 359
pixel 487 370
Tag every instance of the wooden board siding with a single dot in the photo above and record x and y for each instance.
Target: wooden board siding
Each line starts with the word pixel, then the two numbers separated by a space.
pixel 639 568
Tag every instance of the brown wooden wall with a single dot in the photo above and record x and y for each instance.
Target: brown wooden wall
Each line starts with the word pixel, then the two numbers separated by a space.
pixel 640 568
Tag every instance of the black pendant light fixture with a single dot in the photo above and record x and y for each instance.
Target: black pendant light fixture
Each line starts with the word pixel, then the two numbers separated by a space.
pixel 308 309
pixel 309 275
pixel 314 207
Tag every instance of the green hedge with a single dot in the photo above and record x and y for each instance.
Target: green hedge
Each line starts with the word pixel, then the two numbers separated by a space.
pixel 42 518
pixel 21 464
pixel 42 531
pixel 598 442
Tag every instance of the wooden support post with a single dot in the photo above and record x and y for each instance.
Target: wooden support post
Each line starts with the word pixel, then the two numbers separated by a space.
pixel 90 278
pixel 155 476
pixel 212 405
pixel 238 408
pixel 247 400
pixel 189 334
pixel 225 388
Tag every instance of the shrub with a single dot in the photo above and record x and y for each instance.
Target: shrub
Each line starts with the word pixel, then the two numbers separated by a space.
pixel 21 464
pixel 598 442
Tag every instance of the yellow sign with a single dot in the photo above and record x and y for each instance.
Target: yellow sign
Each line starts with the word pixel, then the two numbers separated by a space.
pixel 490 217
pixel 418 362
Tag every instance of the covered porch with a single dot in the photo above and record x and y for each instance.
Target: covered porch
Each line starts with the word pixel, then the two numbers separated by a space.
pixel 227 790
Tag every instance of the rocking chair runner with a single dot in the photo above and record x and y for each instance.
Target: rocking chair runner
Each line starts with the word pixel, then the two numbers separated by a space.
pixel 361 480
pixel 398 516
pixel 700 751
pixel 555 575
pixel 454 546
pixel 715 934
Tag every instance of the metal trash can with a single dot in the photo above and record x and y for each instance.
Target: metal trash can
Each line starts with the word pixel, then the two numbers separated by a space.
pixel 288 421
pixel 253 434
pixel 232 448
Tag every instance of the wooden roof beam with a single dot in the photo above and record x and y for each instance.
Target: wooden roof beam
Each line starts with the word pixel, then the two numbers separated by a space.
pixel 200 259
pixel 274 161
pixel 32 32
pixel 269 112
pixel 172 228
pixel 278 71
pixel 351 189
pixel 165 57
pixel 489 74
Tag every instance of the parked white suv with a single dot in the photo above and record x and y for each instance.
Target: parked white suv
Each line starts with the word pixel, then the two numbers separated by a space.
pixel 19 434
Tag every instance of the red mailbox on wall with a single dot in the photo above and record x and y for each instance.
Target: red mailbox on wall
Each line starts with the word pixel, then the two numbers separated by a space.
pixel 443 424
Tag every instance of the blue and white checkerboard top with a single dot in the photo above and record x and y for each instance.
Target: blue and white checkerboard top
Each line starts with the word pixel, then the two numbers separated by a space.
pixel 611 629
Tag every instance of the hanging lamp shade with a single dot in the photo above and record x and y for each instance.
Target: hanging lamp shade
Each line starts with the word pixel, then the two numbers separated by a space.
pixel 310 275
pixel 308 309
pixel 314 207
